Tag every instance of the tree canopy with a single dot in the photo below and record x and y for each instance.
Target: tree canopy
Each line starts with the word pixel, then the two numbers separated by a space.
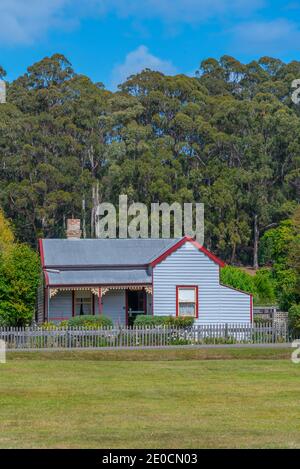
pixel 19 278
pixel 228 137
pixel 6 234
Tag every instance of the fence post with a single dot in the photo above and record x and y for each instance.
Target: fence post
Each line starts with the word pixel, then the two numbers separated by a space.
pixel 226 331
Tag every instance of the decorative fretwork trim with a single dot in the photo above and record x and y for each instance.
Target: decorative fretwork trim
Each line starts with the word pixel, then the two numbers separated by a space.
pixel 53 292
pixel 101 291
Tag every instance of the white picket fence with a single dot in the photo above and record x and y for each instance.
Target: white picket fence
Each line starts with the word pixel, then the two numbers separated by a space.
pixel 159 336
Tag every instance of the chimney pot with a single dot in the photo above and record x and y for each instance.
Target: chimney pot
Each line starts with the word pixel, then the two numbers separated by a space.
pixel 73 228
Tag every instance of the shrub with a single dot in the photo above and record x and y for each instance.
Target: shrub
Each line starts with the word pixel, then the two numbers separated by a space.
pixel 294 317
pixel 50 326
pixel 265 286
pixel 279 247
pixel 144 320
pixel 186 321
pixel 262 285
pixel 218 340
pixel 19 278
pixel 90 321
pixel 261 321
pixel 286 285
pixel 237 278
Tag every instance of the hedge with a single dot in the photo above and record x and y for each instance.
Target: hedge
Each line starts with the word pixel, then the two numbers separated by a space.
pixel 144 320
pixel 90 321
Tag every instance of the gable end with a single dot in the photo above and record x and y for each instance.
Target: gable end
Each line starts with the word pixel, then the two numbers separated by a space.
pixel 187 239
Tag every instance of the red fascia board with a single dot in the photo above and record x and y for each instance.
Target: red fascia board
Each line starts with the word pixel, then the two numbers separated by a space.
pixel 152 293
pixel 96 285
pixel 168 252
pixel 73 303
pixel 41 249
pixel 209 254
pixel 184 240
pixel 126 307
pixel 46 278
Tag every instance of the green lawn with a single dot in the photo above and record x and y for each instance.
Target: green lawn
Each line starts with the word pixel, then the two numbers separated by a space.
pixel 173 399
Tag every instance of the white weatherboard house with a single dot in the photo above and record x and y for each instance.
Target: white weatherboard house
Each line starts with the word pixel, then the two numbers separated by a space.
pixel 121 278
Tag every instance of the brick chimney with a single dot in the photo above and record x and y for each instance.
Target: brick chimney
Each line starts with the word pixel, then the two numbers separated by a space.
pixel 73 228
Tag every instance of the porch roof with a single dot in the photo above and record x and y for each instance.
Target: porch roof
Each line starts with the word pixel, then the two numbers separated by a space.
pixel 99 277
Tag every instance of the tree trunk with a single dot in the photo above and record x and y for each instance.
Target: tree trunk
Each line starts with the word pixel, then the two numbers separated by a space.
pixel 95 203
pixel 83 217
pixel 256 240
pixel 233 252
pixel 93 213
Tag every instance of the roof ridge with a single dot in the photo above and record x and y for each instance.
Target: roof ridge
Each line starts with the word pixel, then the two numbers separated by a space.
pixel 111 239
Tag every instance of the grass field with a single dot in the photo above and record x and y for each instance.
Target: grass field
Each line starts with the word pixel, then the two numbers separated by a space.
pixel 153 399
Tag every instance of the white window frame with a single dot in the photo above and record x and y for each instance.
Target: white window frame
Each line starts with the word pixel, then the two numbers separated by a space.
pixel 179 302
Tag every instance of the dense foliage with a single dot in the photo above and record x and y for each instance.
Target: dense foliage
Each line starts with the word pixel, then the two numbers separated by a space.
pixel 6 234
pixel 229 137
pixel 180 321
pixel 19 278
pixel 237 278
pixel 294 317
pixel 89 321
pixel 261 284
pixel 280 249
pixel 278 282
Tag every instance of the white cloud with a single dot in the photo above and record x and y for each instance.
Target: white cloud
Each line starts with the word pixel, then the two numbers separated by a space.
pixel 138 60
pixel 273 36
pixel 25 21
pixel 21 22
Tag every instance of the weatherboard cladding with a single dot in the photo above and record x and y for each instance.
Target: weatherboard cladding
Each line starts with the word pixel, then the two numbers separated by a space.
pixel 61 306
pixel 114 306
pixel 234 305
pixel 189 266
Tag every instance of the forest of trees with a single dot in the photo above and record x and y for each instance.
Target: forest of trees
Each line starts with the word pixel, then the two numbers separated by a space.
pixel 228 137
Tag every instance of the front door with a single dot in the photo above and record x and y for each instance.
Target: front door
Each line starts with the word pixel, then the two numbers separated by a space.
pixel 136 304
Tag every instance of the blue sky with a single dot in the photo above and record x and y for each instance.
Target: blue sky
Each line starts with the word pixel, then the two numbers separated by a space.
pixel 110 39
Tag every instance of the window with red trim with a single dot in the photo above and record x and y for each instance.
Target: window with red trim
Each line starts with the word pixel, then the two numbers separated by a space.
pixel 83 302
pixel 187 301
